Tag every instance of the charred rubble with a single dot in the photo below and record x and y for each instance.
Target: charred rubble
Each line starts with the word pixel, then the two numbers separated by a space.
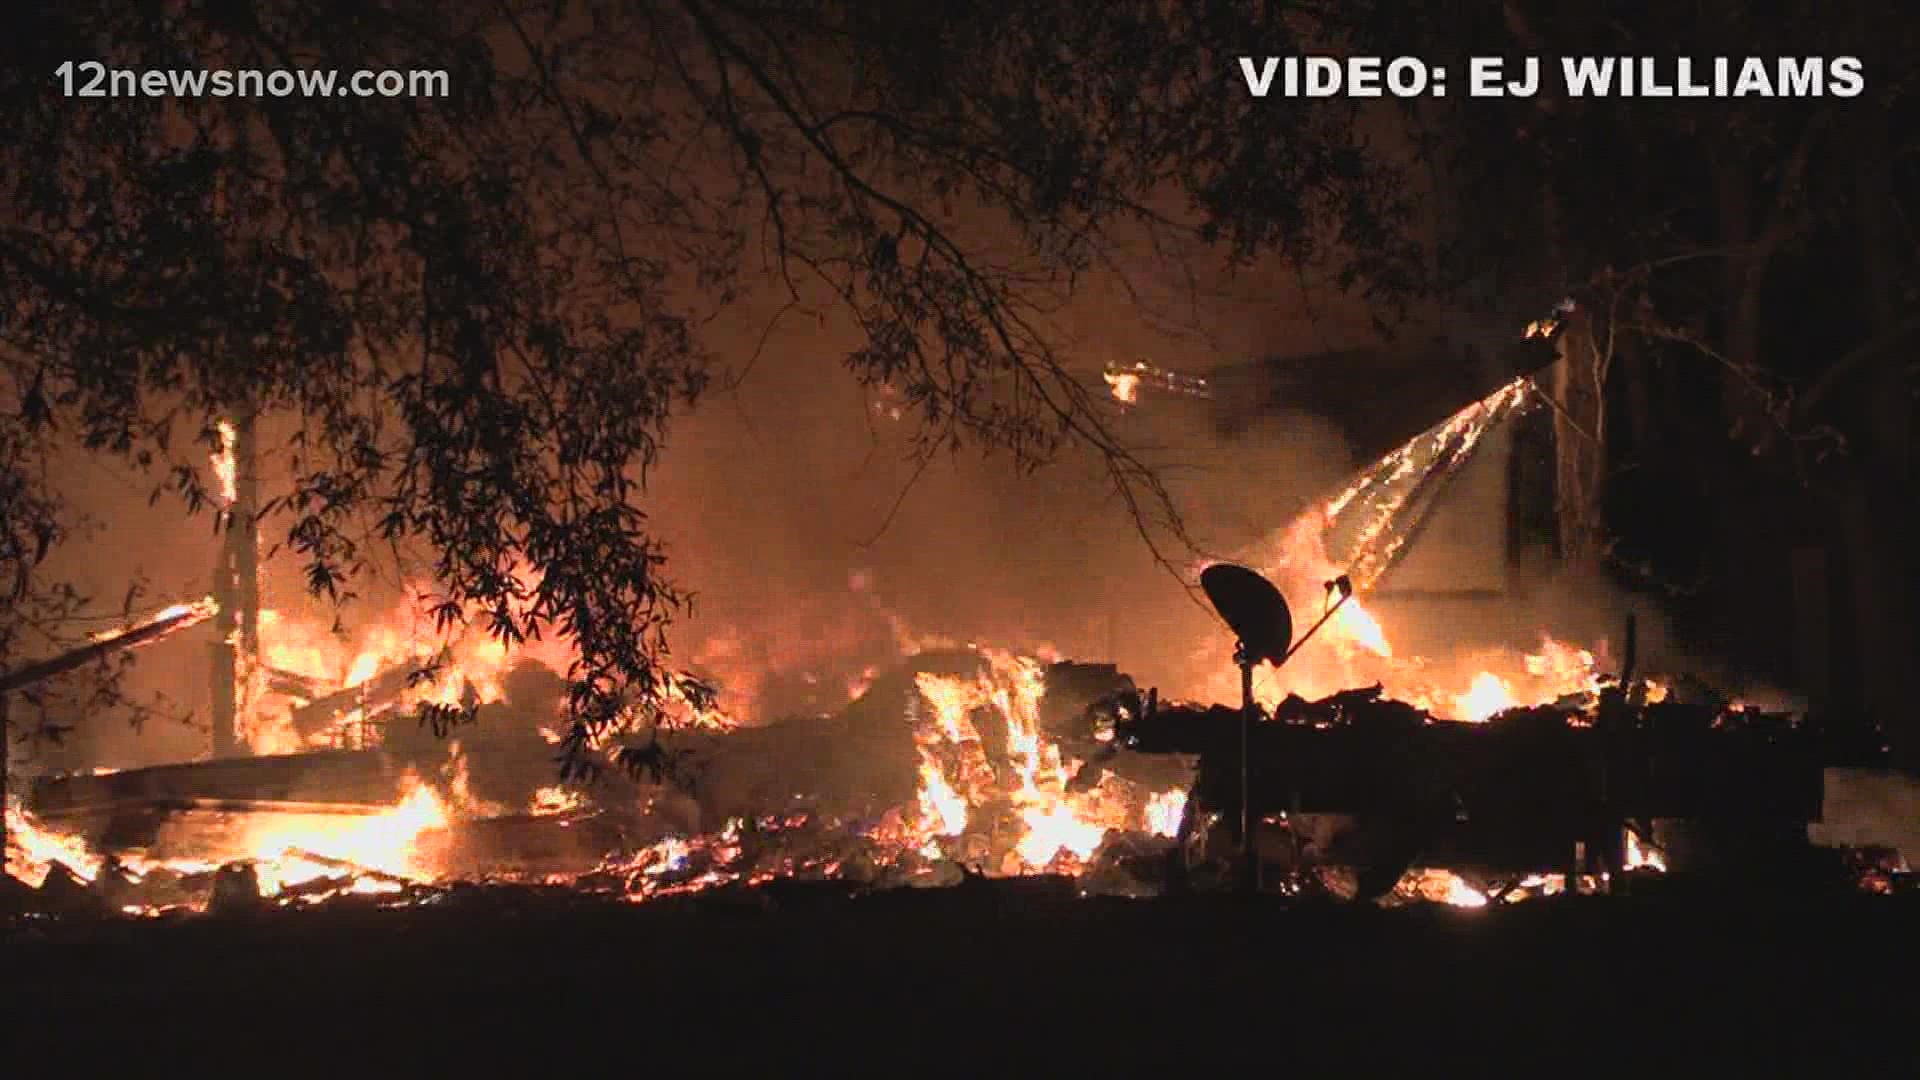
pixel 1382 786
pixel 1355 782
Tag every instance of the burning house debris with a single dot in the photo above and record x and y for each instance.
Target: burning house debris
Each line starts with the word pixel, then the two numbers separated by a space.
pixel 959 758
pixel 1503 798
pixel 1523 773
pixel 959 764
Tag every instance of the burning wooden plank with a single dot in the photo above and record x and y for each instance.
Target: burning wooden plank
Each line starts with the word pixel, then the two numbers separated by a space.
pixel 128 808
pixel 293 684
pixel 169 621
pixel 382 688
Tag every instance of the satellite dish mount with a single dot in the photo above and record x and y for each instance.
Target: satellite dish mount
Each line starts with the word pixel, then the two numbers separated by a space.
pixel 1263 629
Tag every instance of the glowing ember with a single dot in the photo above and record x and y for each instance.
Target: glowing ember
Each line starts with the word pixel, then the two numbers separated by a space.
pixel 1436 886
pixel 1383 497
pixel 554 799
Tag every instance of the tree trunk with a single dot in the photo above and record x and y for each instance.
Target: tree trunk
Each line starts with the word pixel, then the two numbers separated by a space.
pixel 1750 563
pixel 1881 497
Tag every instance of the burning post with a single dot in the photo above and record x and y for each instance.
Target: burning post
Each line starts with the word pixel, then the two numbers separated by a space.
pixel 236 583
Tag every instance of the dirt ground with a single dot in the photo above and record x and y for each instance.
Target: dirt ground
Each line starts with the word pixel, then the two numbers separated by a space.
pixel 985 979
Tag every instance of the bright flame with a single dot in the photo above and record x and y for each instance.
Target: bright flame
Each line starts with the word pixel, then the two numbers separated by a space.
pixel 1644 856
pixel 199 610
pixel 384 842
pixel 371 852
pixel 1053 828
pixel 941 807
pixel 382 654
pixel 1358 534
pixel 32 849
pixel 962 781
pixel 1488 696
pixel 1363 629
pixel 1460 894
pixel 1012 801
pixel 1164 812
pixel 225 469
pixel 1436 886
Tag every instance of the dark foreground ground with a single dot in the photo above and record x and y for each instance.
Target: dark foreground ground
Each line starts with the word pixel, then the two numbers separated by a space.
pixel 983 979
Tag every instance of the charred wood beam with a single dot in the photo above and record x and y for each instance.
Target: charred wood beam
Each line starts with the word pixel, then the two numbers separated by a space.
pixel 1388 592
pixel 347 867
pixel 1528 766
pixel 172 620
pixel 383 687
pixel 1426 497
pixel 293 684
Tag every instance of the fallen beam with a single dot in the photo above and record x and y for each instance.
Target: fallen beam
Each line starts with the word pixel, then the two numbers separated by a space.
pixel 384 686
pixel 170 621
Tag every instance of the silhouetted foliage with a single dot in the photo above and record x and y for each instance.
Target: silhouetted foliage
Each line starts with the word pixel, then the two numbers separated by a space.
pixel 483 309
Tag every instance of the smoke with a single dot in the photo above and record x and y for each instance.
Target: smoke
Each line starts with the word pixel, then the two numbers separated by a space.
pixel 819 545
pixel 819 548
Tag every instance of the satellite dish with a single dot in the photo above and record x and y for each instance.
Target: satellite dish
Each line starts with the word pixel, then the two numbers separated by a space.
pixel 1253 609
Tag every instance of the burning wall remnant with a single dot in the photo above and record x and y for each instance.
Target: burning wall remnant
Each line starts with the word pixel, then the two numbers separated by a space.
pixel 1361 531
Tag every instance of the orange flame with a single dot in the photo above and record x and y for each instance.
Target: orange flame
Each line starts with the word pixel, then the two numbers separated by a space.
pixel 1057 828
pixel 225 468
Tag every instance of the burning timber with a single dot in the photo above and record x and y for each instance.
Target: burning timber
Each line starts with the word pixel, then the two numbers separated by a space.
pixel 841 797
pixel 162 625
pixel 930 778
